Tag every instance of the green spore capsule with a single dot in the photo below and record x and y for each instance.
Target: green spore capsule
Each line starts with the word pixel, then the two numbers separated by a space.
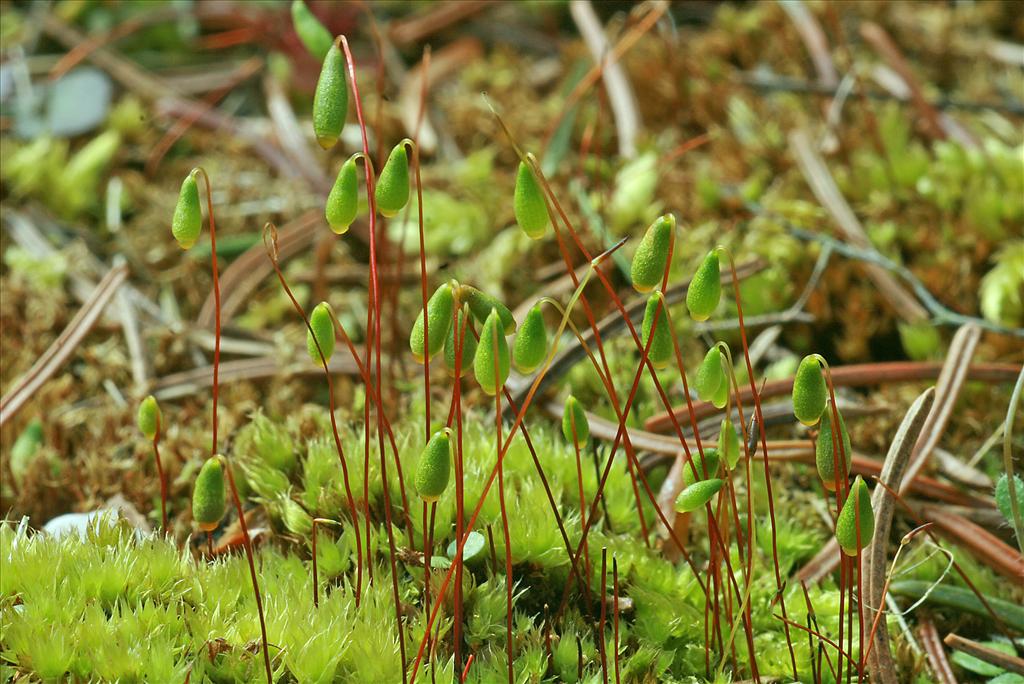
pixel 434 467
pixel 531 345
pixel 711 460
pixel 343 200
pixel 322 323
pixel 439 320
pixel 710 375
pixel 314 35
pixel 1002 495
pixel 721 397
pixel 809 391
pixel 481 304
pixel 729 444
pixel 528 203
pixel 660 350
pixel 149 418
pixel 187 221
pixel 574 415
pixel 208 495
pixel 858 505
pixel 468 347
pixel 697 494
pixel 330 100
pixel 484 363
pixel 705 289
pixel 651 256
pixel 392 191
pixel 824 454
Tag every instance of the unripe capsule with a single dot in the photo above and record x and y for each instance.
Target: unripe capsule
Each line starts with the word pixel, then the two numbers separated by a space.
pixel 660 350
pixel 343 200
pixel 1002 496
pixel 484 365
pixel 824 455
pixel 710 375
pixel 856 509
pixel 434 467
pixel 651 256
pixel 330 100
pixel 528 203
pixel 697 494
pixel 481 304
pixel 809 391
pixel 705 289
pixel 531 345
pixel 439 320
pixel 575 417
pixel 710 461
pixel 729 444
pixel 314 35
pixel 468 347
pixel 187 221
pixel 149 418
pixel 322 324
pixel 721 397
pixel 392 191
pixel 208 495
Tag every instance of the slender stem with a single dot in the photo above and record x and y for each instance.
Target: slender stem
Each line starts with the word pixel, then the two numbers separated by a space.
pixel 160 474
pixel 501 503
pixel 247 542
pixel 1016 505
pixel 604 612
pixel 583 500
pixel 270 243
pixel 615 615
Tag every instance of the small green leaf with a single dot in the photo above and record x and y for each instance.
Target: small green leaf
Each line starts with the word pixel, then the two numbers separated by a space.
pixel 710 375
pixel 481 304
pixel 705 289
pixel 149 418
pixel 440 308
pixel 1002 494
pixel 574 419
pixel 392 191
pixel 434 467
pixel 824 455
pixel 187 221
pixel 651 256
pixel 531 344
pixel 706 467
pixel 343 201
pixel 208 500
pixel 314 35
pixel 729 444
pixel 528 203
pixel 858 505
pixel 330 100
pixel 661 350
pixel 484 365
pixel 809 391
pixel 697 494
pixel 322 325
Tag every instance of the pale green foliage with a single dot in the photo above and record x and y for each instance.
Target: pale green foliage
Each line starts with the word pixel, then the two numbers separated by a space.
pixel 1002 288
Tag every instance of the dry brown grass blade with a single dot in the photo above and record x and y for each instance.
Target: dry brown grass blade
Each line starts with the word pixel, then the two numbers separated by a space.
pixel 853 375
pixel 438 16
pixel 951 381
pixel 824 187
pixel 936 654
pixel 881 663
pixel 983 652
pixel 814 40
pixel 64 346
pixel 191 382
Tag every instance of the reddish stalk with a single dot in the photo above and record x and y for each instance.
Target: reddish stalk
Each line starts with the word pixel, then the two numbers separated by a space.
pixel 583 500
pixel 501 503
pixel 373 313
pixel 615 615
pixel 270 242
pixel 160 474
pixel 460 338
pixel 604 611
pixel 767 472
pixel 247 542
